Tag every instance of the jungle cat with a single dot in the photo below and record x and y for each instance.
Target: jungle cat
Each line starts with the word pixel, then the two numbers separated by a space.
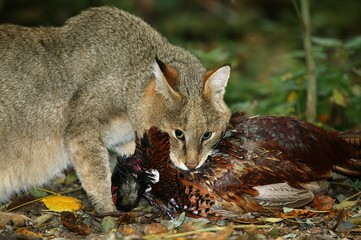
pixel 70 94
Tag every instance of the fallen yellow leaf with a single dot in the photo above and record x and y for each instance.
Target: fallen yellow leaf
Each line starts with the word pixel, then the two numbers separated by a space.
pixel 60 203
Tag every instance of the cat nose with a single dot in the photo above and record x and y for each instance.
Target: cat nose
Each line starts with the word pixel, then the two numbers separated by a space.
pixel 192 159
pixel 191 166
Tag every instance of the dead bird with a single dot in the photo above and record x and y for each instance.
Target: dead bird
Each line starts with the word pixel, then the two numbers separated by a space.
pixel 260 163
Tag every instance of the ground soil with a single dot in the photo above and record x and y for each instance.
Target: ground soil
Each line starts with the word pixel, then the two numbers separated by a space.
pixel 146 222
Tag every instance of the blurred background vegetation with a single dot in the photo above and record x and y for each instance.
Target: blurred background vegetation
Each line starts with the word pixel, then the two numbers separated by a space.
pixel 261 39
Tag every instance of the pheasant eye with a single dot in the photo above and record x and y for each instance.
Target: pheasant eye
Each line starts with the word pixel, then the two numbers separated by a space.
pixel 206 135
pixel 179 134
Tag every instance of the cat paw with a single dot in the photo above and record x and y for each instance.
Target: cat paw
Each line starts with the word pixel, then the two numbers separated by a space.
pixel 14 219
pixel 105 208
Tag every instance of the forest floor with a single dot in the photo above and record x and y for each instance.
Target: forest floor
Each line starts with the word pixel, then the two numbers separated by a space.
pixel 335 216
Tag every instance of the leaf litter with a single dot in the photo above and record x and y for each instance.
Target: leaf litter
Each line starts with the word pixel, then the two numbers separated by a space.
pixel 62 211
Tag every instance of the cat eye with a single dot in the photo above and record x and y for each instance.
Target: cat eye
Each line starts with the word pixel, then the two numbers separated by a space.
pixel 206 135
pixel 179 134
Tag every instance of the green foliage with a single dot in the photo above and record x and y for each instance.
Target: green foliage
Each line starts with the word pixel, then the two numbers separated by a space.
pixel 339 95
pixel 338 75
pixel 38 193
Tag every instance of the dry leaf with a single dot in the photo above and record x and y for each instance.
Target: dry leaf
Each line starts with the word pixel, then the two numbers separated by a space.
pixel 272 219
pixel 128 230
pixel 205 236
pixel 301 213
pixel 191 224
pixel 356 230
pixel 323 203
pixel 187 227
pixel 225 233
pixel 132 217
pixel 28 233
pixel 355 220
pixel 74 223
pixel 155 228
pixel 346 204
pixel 42 219
pixel 62 203
pixel 339 214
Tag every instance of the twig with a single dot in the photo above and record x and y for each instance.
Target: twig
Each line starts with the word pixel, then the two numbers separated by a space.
pixel 48 191
pixel 70 191
pixel 310 63
pixel 315 222
pixel 24 204
pixel 353 196
pixel 107 214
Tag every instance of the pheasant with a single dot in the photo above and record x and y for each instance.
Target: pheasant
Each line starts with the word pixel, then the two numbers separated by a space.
pixel 260 163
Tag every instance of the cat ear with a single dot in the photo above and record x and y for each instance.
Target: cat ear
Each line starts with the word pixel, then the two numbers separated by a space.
pixel 215 84
pixel 166 78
